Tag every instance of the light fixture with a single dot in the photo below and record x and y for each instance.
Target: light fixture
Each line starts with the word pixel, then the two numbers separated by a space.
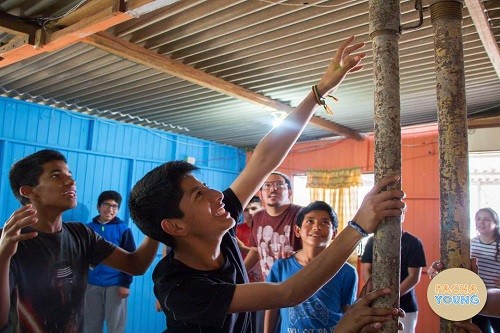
pixel 278 117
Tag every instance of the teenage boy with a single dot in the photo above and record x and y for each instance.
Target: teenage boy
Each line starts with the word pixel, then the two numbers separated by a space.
pixel 316 226
pixel 202 282
pixel 108 288
pixel 43 261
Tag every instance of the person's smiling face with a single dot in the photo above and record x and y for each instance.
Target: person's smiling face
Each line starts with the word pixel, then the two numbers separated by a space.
pixel 203 209
pixel 108 210
pixel 316 229
pixel 485 224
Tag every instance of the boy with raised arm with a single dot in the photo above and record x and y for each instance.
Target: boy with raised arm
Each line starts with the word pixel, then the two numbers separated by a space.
pixel 43 261
pixel 202 283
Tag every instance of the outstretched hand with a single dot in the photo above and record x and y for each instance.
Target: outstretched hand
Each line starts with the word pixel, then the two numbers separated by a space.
pixel 11 234
pixel 343 62
pixel 362 318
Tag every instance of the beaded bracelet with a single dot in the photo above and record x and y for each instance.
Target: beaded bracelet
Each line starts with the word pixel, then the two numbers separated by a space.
pixel 358 228
pixel 320 100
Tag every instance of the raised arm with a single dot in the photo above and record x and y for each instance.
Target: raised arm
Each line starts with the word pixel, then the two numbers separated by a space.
pixel 258 296
pixel 135 263
pixel 11 236
pixel 273 148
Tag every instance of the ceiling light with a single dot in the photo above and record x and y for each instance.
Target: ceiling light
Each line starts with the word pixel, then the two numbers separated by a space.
pixel 278 117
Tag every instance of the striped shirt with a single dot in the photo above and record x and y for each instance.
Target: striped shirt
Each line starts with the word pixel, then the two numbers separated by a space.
pixel 489 268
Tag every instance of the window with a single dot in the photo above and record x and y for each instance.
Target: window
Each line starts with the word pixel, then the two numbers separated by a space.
pixel 301 195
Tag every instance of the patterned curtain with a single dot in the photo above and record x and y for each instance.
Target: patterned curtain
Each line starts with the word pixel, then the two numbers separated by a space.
pixel 339 188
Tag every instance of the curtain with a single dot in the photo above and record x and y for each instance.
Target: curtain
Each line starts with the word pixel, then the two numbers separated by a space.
pixel 338 188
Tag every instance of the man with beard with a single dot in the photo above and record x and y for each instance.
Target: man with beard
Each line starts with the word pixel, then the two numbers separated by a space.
pixel 272 227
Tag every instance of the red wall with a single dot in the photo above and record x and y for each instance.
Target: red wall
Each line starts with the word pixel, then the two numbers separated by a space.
pixel 420 181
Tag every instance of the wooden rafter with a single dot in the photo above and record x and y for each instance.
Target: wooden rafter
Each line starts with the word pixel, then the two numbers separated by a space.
pixel 477 12
pixel 94 16
pixel 141 55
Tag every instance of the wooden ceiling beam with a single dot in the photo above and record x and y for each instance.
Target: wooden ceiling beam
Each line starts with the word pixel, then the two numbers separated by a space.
pixel 141 55
pixel 484 121
pixel 477 12
pixel 94 16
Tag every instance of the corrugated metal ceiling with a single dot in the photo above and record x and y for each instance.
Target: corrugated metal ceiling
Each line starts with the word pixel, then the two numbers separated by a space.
pixel 277 49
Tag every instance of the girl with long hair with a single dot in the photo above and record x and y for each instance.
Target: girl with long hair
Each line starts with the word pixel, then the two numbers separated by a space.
pixel 486 248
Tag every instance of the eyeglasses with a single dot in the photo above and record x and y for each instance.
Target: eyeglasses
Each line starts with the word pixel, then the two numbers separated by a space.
pixel 277 185
pixel 107 205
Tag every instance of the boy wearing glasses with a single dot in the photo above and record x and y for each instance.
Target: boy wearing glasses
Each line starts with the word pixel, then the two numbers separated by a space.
pixel 108 288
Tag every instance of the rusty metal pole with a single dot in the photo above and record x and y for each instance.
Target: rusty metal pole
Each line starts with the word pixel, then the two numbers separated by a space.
pixel 384 32
pixel 446 17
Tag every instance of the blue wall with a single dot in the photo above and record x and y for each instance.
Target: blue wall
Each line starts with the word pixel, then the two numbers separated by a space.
pixel 106 155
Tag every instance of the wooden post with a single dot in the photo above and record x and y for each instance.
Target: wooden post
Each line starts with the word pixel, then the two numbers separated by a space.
pixel 384 32
pixel 446 17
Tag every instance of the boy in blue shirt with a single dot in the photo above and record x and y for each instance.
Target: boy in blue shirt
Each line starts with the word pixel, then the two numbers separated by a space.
pixel 316 226
pixel 108 288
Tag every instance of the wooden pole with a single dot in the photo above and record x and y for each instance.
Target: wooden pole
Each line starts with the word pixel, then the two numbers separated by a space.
pixel 384 32
pixel 446 17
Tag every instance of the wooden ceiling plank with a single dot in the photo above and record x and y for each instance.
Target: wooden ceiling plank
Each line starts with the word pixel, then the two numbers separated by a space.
pixel 138 54
pixel 477 12
pixel 93 17
pixel 14 26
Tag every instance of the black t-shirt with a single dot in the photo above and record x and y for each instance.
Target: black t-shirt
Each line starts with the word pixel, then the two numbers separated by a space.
pixel 412 255
pixel 198 301
pixel 48 278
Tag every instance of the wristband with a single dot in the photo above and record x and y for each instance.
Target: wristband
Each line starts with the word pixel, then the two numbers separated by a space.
pixel 358 228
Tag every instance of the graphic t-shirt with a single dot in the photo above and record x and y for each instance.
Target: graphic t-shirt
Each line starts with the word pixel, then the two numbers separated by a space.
pixel 48 278
pixel 273 236
pixel 322 311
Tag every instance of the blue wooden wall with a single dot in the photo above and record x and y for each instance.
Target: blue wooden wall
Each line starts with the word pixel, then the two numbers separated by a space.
pixel 106 155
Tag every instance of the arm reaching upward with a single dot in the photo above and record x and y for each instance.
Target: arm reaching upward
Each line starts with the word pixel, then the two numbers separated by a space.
pixel 273 148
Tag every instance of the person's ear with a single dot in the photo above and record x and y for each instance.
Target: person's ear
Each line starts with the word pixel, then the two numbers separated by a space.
pixel 173 227
pixel 296 228
pixel 334 233
pixel 27 192
pixel 290 193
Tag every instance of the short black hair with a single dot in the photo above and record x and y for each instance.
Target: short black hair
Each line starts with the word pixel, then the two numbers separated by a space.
pixel 27 171
pixel 109 195
pixel 254 199
pixel 285 178
pixel 318 205
pixel 157 197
